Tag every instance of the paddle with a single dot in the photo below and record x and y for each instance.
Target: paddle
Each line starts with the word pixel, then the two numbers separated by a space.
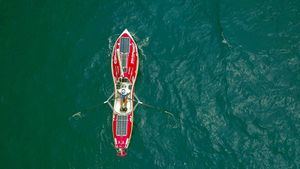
pixel 79 115
pixel 156 108
pixel 153 107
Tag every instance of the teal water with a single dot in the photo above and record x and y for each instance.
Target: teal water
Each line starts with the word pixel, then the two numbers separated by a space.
pixel 229 71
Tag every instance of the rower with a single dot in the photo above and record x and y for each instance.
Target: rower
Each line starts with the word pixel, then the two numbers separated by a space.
pixel 123 87
pixel 123 100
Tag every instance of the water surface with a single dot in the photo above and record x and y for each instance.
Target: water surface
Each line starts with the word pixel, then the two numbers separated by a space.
pixel 228 71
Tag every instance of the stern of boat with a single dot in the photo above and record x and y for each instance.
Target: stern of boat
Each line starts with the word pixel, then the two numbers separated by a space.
pixel 121 152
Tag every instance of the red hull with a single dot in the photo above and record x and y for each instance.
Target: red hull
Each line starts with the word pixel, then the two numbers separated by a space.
pixel 124 64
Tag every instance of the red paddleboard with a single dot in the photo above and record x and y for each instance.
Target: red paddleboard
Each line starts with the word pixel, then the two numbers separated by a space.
pixel 124 65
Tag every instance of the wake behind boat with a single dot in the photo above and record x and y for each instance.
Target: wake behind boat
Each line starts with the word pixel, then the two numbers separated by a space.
pixel 124 65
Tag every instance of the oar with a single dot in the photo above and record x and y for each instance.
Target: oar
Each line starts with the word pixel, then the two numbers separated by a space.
pixel 161 110
pixel 92 107
pixel 157 108
pixel 97 105
pixel 153 107
pixel 137 100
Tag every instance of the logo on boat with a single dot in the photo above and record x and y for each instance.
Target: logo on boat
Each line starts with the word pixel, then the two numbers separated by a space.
pixel 115 59
pixel 132 60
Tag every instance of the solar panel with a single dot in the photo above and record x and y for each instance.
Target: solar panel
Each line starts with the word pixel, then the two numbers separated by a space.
pixel 122 125
pixel 124 61
pixel 124 45
pixel 124 48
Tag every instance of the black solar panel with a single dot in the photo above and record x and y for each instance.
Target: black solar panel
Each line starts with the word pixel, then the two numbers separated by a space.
pixel 124 45
pixel 122 125
pixel 124 61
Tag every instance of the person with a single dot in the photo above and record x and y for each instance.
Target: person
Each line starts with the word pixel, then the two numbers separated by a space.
pixel 123 100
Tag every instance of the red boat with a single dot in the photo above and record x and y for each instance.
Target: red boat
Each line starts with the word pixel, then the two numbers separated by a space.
pixel 124 65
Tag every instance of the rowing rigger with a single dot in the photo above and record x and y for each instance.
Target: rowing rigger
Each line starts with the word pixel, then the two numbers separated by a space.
pixel 112 95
